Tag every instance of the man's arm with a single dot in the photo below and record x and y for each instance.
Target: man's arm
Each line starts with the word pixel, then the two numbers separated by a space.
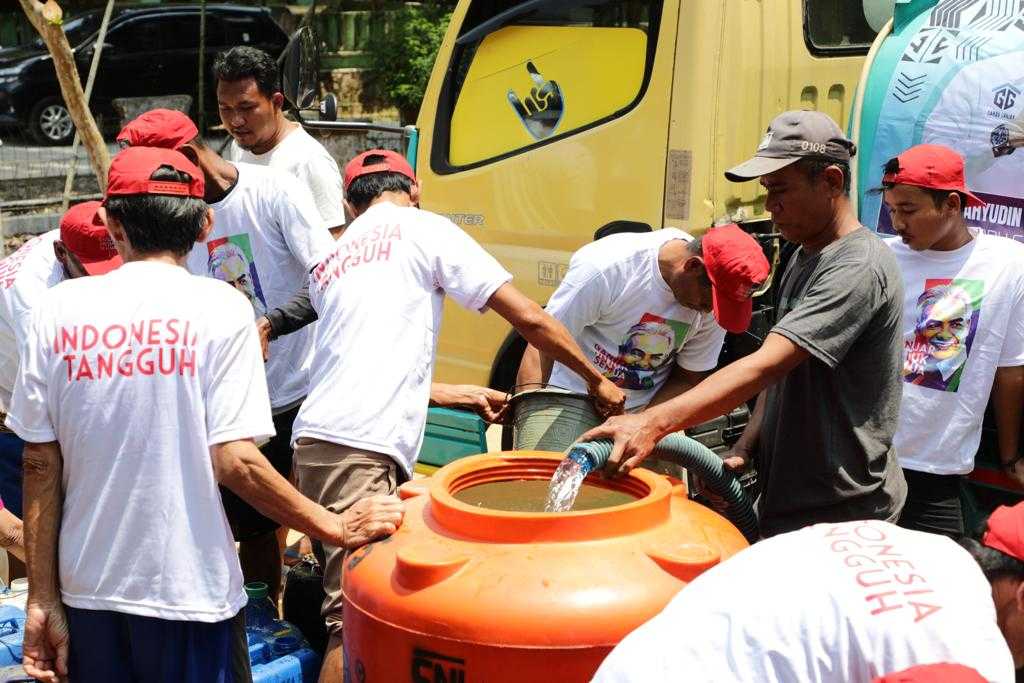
pixel 551 338
pixel 534 368
pixel 12 534
pixel 241 467
pixel 1008 405
pixel 636 435
pixel 489 404
pixel 679 381
pixel 291 317
pixel 45 651
pixel 743 450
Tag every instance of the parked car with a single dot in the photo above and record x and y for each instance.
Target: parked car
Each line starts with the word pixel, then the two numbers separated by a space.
pixel 148 51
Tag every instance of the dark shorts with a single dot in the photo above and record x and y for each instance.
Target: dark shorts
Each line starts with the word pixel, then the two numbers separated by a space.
pixel 111 647
pixel 933 503
pixel 11 448
pixel 247 522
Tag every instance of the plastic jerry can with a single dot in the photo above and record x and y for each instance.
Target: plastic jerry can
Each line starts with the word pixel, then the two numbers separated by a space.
pixel 12 632
pixel 280 654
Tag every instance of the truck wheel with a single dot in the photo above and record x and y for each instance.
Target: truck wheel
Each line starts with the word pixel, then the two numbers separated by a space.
pixel 49 122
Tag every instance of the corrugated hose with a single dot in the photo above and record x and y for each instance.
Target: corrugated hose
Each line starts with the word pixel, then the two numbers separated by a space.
pixel 697 458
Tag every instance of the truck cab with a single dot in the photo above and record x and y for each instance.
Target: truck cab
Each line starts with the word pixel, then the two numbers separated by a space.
pixel 545 120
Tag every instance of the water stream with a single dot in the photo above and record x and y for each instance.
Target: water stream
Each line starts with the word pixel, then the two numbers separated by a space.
pixel 566 482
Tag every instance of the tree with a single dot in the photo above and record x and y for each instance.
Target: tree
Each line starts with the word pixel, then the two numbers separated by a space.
pixel 47 18
pixel 403 57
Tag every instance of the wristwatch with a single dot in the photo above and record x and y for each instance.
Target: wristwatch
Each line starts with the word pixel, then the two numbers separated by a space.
pixel 1000 140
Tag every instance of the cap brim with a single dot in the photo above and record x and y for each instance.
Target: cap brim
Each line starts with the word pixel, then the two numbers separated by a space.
pixel 102 267
pixel 972 200
pixel 757 167
pixel 732 315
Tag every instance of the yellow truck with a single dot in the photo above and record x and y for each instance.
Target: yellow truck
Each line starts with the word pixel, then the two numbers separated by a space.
pixel 547 119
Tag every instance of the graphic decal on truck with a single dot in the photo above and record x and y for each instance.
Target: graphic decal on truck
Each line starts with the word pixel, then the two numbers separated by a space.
pixel 542 109
pixel 959 83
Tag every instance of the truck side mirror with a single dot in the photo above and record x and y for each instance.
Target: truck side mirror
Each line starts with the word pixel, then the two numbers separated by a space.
pixel 300 70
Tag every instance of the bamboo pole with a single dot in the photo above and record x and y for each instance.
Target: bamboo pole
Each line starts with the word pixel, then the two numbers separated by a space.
pixel 47 19
pixel 69 179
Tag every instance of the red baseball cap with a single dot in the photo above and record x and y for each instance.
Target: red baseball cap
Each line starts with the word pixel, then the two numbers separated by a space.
pixel 934 673
pixel 932 167
pixel 737 268
pixel 132 169
pixel 159 128
pixel 85 236
pixel 1005 530
pixel 393 162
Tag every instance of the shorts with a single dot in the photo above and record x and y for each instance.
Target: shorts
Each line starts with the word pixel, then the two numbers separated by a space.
pixel 933 504
pixel 245 520
pixel 337 477
pixel 111 647
pixel 11 449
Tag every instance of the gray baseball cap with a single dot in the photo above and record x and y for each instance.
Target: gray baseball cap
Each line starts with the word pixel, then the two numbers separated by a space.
pixel 791 136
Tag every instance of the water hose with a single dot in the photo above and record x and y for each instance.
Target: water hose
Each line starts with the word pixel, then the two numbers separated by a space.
pixel 695 457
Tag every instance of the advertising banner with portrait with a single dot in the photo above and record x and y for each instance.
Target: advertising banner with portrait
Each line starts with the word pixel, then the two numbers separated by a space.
pixel 959 82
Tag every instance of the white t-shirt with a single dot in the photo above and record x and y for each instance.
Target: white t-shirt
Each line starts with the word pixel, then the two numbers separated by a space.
pixel 379 296
pixel 984 98
pixel 265 240
pixel 136 374
pixel 301 155
pixel 25 276
pixel 621 312
pixel 963 317
pixel 832 602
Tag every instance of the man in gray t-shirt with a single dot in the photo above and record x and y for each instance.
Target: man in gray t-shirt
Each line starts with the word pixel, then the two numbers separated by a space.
pixel 828 372
pixel 824 452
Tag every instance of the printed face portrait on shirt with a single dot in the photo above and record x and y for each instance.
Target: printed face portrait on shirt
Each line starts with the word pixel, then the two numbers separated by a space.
pixel 947 318
pixel 231 261
pixel 648 345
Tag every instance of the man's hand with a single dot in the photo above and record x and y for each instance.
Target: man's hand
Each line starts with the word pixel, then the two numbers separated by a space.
pixel 633 436
pixel 263 327
pixel 608 398
pixel 736 460
pixel 45 647
pixel 489 404
pixel 370 519
pixel 1016 472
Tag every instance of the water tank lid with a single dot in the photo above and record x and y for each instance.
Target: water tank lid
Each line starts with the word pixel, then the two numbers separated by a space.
pixel 257 590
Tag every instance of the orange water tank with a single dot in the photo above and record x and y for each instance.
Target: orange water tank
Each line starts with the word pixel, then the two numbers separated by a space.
pixel 462 594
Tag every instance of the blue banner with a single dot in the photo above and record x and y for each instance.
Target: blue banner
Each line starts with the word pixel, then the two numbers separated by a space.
pixel 959 82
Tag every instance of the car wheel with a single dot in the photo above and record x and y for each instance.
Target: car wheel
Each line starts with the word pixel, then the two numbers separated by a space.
pixel 50 122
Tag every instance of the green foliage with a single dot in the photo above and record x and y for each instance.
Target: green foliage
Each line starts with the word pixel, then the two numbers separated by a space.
pixel 402 58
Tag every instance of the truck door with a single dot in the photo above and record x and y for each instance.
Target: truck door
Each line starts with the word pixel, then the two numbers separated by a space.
pixel 544 120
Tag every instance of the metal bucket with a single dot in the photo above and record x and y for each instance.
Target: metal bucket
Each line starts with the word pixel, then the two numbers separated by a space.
pixel 550 419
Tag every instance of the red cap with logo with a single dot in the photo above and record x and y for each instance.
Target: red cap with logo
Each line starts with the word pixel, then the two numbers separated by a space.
pixel 131 172
pixel 737 268
pixel 934 673
pixel 85 236
pixel 932 167
pixel 392 162
pixel 159 128
pixel 1005 530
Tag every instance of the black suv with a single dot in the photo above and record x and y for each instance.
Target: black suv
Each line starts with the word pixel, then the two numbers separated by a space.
pixel 148 51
